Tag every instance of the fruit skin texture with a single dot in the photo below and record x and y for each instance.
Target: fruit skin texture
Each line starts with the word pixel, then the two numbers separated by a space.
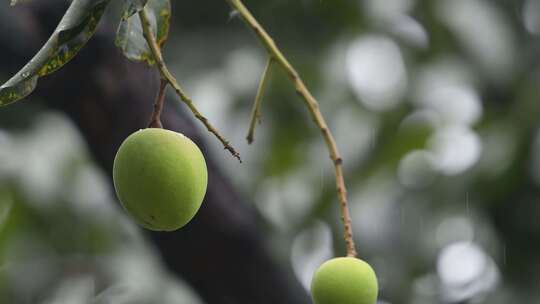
pixel 160 177
pixel 345 280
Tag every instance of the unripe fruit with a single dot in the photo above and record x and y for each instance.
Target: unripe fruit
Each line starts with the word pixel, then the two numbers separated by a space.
pixel 344 281
pixel 160 178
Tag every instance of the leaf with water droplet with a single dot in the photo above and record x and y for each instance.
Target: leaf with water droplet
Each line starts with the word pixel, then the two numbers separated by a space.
pixel 130 38
pixel 74 30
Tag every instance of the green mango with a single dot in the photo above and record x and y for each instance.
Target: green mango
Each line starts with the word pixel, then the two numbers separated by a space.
pixel 160 178
pixel 345 280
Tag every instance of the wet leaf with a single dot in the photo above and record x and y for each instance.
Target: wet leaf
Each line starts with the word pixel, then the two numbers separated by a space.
pixel 129 37
pixel 74 30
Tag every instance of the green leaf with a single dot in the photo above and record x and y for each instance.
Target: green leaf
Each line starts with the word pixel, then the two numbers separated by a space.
pixel 74 30
pixel 132 7
pixel 130 38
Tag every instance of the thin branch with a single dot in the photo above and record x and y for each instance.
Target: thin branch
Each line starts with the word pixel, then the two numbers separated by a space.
pixel 313 107
pixel 256 111
pixel 164 71
pixel 155 120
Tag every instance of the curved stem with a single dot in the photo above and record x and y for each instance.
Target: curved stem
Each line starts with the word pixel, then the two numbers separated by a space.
pixel 316 114
pixel 164 71
pixel 256 111
pixel 155 120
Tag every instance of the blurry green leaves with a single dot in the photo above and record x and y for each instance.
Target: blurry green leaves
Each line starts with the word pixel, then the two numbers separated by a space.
pixel 75 29
pixel 129 37
pixel 6 202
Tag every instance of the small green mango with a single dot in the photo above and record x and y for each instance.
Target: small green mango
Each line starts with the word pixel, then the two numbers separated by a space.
pixel 160 178
pixel 345 280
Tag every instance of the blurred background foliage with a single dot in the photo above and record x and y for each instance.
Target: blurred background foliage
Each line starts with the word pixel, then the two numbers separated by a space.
pixel 434 104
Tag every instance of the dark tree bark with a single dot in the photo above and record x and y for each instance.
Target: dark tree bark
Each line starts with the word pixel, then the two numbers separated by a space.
pixel 221 253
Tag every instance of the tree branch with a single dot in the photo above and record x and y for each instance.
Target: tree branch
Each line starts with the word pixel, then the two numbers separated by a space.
pixel 256 111
pixel 155 120
pixel 313 108
pixel 164 71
